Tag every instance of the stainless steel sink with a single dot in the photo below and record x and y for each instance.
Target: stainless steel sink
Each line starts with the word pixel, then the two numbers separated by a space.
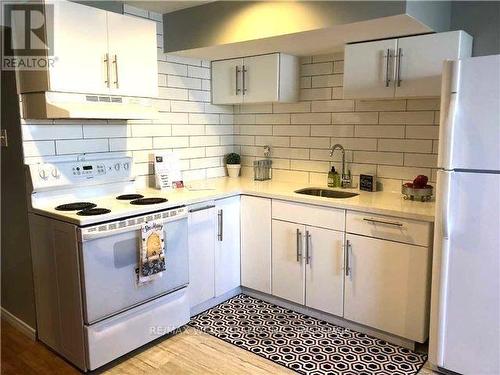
pixel 328 193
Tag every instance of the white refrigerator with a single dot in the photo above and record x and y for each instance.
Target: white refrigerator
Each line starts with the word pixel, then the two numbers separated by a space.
pixel 465 303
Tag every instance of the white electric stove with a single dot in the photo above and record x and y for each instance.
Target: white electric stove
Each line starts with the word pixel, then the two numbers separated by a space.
pixel 85 221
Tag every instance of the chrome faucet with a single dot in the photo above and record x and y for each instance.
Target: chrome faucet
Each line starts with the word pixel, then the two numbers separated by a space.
pixel 346 177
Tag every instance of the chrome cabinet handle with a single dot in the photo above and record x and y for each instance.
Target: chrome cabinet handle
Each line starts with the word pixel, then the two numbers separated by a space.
pixel 398 66
pixel 237 71
pixel 115 63
pixel 347 258
pixel 221 228
pixel 387 58
pixel 374 221
pixel 244 71
pixel 308 255
pixel 105 62
pixel 201 208
pixel 299 237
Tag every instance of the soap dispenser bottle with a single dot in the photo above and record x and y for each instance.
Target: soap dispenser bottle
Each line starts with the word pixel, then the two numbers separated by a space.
pixel 331 177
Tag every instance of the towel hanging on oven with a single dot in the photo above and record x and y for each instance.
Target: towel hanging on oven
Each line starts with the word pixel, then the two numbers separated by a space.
pixel 151 252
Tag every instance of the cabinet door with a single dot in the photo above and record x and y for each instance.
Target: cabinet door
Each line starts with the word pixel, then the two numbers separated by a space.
pixel 80 46
pixel 288 261
pixel 261 78
pixel 388 286
pixel 256 243
pixel 421 61
pixel 325 270
pixel 133 56
pixel 368 72
pixel 201 229
pixel 227 247
pixel 227 81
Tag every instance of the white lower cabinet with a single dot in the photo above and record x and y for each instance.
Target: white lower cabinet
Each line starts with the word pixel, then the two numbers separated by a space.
pixel 325 270
pixel 307 266
pixel 256 243
pixel 214 249
pixel 201 231
pixel 227 245
pixel 287 261
pixel 386 286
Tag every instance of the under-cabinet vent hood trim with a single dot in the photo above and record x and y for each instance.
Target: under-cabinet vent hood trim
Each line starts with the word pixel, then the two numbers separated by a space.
pixel 59 105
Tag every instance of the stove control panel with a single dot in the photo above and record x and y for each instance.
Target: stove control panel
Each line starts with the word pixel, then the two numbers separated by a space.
pixel 89 172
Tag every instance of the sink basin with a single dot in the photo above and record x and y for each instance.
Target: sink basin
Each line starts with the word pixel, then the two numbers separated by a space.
pixel 328 193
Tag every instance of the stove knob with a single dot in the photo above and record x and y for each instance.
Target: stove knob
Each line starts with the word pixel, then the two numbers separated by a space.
pixel 43 174
pixel 117 166
pixel 55 173
pixel 125 166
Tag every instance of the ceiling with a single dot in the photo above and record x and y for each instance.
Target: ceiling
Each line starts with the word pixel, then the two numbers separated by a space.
pixel 165 6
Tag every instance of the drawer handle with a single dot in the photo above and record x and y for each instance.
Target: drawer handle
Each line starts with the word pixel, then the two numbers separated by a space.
pixel 374 221
pixel 201 208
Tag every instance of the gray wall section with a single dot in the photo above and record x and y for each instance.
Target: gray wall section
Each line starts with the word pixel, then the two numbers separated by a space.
pixel 435 14
pixel 481 19
pixel 205 25
pixel 112 6
pixel 16 270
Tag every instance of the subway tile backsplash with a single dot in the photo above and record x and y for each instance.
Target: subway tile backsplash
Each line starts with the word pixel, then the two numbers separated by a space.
pixel 395 139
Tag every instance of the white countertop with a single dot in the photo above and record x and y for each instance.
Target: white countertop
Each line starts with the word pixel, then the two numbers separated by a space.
pixel 385 203
pixel 380 202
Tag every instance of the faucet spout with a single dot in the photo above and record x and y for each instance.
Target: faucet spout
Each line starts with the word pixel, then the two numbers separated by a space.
pixel 338 146
pixel 346 178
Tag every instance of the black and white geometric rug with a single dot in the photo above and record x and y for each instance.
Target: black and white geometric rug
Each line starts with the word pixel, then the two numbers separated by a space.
pixel 301 343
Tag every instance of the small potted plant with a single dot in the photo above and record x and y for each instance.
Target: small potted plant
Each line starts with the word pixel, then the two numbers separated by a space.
pixel 233 164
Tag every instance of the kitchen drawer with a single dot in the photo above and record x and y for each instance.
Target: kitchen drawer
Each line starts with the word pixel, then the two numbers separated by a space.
pixel 389 228
pixel 324 217
pixel 116 336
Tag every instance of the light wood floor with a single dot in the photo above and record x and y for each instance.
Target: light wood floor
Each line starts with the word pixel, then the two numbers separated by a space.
pixel 189 352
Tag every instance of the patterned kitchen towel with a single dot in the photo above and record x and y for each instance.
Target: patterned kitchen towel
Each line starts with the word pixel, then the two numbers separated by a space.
pixel 151 252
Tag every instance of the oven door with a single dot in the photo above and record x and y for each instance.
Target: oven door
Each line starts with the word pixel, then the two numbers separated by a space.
pixel 109 255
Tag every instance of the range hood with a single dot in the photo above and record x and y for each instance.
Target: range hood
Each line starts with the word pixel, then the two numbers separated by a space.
pixel 59 105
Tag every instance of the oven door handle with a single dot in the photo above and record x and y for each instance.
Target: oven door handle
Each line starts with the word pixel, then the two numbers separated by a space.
pixel 87 235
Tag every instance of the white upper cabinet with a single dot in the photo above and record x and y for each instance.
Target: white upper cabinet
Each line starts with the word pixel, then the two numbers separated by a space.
pixel 81 47
pixel 404 67
pixel 226 81
pixel 133 56
pixel 259 78
pixel 256 79
pixel 97 52
pixel 421 61
pixel 369 69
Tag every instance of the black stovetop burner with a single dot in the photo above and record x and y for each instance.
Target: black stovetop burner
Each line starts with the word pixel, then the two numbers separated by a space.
pixel 144 201
pixel 128 197
pixel 93 212
pixel 75 206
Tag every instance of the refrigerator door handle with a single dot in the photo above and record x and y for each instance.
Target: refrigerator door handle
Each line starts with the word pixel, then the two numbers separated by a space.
pixel 445 204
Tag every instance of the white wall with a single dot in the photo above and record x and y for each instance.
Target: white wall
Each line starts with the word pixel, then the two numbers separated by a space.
pixel 394 139
pixel 188 123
